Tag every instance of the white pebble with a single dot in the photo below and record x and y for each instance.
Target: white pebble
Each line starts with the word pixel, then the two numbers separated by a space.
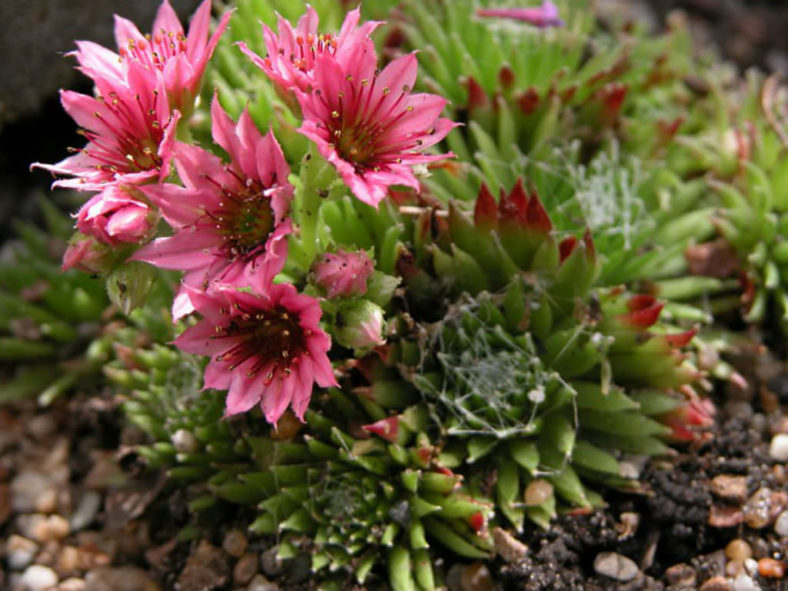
pixel 745 583
pixel 38 578
pixel 781 525
pixel 19 551
pixel 615 566
pixel 779 447
pixel 185 441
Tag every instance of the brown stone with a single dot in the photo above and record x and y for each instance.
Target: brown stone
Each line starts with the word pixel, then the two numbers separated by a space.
pixel 206 568
pixel 716 584
pixel 245 569
pixel 723 516
pixel 681 575
pixel 729 487
pixel 124 578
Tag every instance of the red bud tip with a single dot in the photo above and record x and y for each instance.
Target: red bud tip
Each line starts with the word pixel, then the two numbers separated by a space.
pixel 506 76
pixel 476 521
pixel 485 214
pixel 568 93
pixel 528 101
pixel 613 96
pixel 681 339
pixel 388 428
pixel 536 216
pixel 511 207
pixel 566 246
pixel 590 248
pixel 477 98
pixel 424 453
pixel 640 302
pixel 644 317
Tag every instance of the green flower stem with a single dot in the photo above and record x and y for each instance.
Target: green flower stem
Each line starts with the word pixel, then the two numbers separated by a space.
pixel 317 175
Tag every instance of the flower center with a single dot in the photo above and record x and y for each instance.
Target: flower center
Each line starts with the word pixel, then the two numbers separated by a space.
pixel 309 47
pixel 245 218
pixel 122 150
pixel 154 51
pixel 273 338
pixel 359 126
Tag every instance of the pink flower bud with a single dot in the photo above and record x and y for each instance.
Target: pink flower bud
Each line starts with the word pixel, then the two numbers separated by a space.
pixel 115 217
pixel 86 254
pixel 360 325
pixel 343 274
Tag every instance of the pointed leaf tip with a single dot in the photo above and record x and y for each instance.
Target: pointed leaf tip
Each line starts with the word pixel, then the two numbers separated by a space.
pixel 536 217
pixel 566 247
pixel 485 214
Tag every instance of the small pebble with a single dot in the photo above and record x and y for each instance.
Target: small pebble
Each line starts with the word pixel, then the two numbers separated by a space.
pixel 72 584
pixel 615 566
pixel 185 442
pixel 38 578
pixel 716 584
pixel 260 583
pixel 763 507
pixel 781 525
pixel 19 551
pixel 508 547
pixel 738 550
pixel 234 543
pixel 123 578
pixel 29 490
pixel 476 577
pixel 270 563
pixel 681 575
pixel 724 516
pixel 41 426
pixel 743 582
pixel 778 449
pixel 733 568
pixel 729 487
pixel 43 528
pixel 771 569
pixel 751 566
pixel 537 492
pixel 245 569
pixel 68 560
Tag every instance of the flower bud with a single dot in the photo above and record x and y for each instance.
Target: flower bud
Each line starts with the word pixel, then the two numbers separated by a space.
pixel 115 217
pixel 343 274
pixel 86 254
pixel 360 325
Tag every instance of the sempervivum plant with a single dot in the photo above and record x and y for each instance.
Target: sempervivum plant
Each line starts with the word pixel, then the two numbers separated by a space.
pixel 51 322
pixel 533 369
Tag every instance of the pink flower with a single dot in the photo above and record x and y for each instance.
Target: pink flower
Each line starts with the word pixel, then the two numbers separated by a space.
pixel 230 220
pixel 130 132
pixel 180 60
pixel 369 125
pixel 266 349
pixel 343 274
pixel 545 16
pixel 114 217
pixel 291 55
